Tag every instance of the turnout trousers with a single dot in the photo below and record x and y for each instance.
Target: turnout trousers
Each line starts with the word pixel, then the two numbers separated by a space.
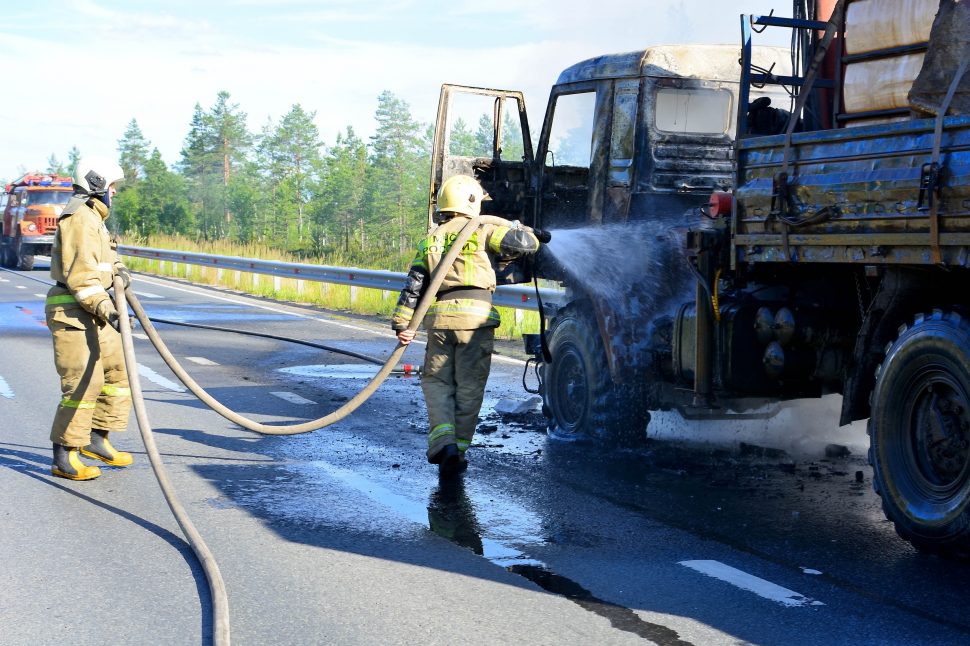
pixel 456 367
pixel 94 383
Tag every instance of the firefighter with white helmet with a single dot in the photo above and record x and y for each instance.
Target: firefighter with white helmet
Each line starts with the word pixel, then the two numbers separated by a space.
pixel 95 397
pixel 461 322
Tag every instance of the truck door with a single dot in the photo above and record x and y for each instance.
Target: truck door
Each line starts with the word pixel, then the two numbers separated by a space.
pixel 573 151
pixel 484 133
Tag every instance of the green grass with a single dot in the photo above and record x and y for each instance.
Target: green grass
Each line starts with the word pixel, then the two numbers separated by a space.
pixel 343 298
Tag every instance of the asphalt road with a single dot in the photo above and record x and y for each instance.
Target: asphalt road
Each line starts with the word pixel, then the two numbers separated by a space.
pixel 346 536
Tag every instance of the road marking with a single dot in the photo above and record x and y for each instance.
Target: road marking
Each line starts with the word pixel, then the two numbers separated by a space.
pixel 21 287
pixel 202 361
pixel 41 295
pixel 751 583
pixel 293 398
pixel 153 376
pixel 5 390
pixel 138 292
pixel 139 335
pixel 496 357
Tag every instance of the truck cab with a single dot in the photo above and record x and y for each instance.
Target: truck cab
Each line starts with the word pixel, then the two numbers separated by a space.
pixel 640 138
pixel 33 204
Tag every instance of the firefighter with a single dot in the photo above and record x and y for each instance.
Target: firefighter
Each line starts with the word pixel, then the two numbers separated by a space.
pixel 95 398
pixel 461 323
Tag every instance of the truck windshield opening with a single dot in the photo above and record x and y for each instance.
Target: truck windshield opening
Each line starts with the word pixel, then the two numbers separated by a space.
pixel 48 197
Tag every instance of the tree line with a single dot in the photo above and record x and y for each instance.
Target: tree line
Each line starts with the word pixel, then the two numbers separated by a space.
pixel 282 186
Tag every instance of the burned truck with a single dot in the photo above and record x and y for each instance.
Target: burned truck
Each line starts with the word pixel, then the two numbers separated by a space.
pixel 798 226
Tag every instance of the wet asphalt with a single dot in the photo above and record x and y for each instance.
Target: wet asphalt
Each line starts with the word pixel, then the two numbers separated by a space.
pixel 712 532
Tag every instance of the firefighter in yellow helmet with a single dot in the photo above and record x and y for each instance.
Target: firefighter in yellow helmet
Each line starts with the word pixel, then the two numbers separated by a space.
pixel 461 323
pixel 95 398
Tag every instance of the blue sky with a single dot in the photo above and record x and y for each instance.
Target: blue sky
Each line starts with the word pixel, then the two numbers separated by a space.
pixel 77 71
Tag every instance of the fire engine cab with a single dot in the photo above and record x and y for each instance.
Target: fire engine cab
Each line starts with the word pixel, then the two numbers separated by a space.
pixel 33 204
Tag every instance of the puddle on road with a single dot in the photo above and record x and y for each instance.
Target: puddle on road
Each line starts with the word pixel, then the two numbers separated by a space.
pixel 501 531
pixel 22 316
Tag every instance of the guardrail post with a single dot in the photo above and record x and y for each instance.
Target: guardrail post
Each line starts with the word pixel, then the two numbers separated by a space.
pixel 276 283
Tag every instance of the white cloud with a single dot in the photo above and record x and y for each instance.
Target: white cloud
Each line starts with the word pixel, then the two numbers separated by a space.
pixel 155 62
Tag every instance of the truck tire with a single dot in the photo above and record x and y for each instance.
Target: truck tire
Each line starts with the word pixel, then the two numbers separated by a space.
pixel 7 258
pixel 26 263
pixel 920 434
pixel 578 392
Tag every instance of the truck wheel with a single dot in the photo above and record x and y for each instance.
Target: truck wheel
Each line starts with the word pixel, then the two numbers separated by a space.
pixel 920 434
pixel 579 393
pixel 26 263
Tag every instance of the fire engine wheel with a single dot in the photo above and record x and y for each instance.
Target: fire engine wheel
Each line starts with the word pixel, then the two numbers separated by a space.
pixel 26 263
pixel 578 392
pixel 920 434
pixel 7 258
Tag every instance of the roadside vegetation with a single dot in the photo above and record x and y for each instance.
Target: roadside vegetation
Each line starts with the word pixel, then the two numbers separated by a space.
pixel 358 300
pixel 283 193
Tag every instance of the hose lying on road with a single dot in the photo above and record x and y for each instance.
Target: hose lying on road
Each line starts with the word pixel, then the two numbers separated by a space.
pixel 217 587
pixel 305 427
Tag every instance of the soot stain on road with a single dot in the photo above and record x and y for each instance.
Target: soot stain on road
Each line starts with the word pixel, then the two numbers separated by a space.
pixel 451 515
pixel 619 617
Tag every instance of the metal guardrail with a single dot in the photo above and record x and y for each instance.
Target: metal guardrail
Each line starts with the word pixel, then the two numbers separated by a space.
pixel 516 296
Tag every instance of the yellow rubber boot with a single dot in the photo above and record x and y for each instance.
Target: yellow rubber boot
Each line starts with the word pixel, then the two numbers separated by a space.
pixel 100 449
pixel 67 464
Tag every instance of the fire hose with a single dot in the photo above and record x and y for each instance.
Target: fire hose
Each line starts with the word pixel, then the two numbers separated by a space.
pixel 123 298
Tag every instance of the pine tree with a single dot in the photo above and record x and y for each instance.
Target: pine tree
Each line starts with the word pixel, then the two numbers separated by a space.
pixel 55 167
pixel 397 163
pixel 232 142
pixel 73 157
pixel 133 153
pixel 197 165
pixel 293 150
pixel 463 142
pixel 346 170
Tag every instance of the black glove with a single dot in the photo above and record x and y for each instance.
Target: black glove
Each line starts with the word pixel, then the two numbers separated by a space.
pixel 122 272
pixel 106 312
pixel 543 236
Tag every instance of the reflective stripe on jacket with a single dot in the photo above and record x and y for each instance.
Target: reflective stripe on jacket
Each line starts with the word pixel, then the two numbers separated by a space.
pixel 82 259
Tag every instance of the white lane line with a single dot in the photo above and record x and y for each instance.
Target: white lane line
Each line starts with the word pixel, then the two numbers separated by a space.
pixel 41 295
pixel 153 376
pixel 139 335
pixel 138 292
pixel 4 280
pixel 496 357
pixel 751 583
pixel 5 389
pixel 293 398
pixel 21 287
pixel 202 361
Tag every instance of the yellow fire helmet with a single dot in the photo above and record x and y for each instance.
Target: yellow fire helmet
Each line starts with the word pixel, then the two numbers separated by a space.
pixel 461 194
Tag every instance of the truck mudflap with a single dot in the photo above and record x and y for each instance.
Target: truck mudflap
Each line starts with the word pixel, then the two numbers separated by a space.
pixel 856 195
